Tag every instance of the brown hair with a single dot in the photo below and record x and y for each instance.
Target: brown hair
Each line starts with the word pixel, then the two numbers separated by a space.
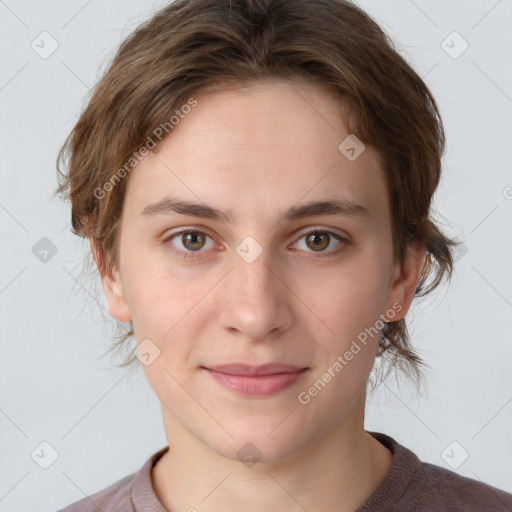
pixel 197 45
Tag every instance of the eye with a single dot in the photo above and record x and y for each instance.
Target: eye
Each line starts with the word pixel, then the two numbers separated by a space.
pixel 320 239
pixel 191 241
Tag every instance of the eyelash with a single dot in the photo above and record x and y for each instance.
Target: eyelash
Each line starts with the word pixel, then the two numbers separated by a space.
pixel 189 255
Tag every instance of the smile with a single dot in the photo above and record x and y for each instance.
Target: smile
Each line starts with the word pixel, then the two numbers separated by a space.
pixel 263 380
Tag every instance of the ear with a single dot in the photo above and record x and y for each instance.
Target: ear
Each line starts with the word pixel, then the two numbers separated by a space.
pixel 405 281
pixel 114 291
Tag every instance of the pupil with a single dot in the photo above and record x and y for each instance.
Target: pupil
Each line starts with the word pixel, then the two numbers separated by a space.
pixel 193 238
pixel 316 238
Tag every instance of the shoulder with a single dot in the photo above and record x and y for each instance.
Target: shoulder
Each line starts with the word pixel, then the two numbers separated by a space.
pixel 114 498
pixel 131 493
pixel 447 490
pixel 412 485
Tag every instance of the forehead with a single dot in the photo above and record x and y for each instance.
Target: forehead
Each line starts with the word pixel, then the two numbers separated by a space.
pixel 256 149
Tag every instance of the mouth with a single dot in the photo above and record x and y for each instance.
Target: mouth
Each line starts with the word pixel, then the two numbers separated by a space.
pixel 264 380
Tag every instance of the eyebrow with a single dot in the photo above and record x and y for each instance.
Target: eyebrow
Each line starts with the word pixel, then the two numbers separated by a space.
pixel 170 205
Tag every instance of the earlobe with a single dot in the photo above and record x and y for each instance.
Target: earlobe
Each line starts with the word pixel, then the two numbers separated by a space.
pixel 116 299
pixel 114 291
pixel 405 281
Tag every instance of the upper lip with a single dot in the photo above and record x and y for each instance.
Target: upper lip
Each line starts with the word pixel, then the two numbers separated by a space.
pixel 246 369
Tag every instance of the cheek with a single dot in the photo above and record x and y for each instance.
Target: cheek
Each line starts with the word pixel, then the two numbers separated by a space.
pixel 161 303
pixel 347 301
pixel 167 312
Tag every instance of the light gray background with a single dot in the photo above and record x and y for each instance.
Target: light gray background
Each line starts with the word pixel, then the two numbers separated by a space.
pixel 56 383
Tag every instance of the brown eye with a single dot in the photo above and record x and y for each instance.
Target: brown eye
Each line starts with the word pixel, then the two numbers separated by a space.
pixel 187 242
pixel 193 240
pixel 318 240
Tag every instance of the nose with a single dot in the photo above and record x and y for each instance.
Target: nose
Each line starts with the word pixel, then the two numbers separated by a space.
pixel 256 302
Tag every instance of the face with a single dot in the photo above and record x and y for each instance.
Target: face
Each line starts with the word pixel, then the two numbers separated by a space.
pixel 262 278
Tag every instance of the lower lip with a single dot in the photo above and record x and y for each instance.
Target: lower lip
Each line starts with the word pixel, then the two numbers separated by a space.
pixel 263 385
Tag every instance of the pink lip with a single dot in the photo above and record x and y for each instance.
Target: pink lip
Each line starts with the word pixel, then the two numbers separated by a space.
pixel 262 380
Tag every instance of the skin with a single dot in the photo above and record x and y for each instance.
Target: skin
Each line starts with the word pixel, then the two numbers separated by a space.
pixel 257 152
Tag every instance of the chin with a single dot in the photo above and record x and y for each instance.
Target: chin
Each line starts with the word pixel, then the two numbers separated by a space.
pixel 259 442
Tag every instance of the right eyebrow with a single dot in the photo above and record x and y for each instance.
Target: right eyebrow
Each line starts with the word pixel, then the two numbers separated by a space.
pixel 170 205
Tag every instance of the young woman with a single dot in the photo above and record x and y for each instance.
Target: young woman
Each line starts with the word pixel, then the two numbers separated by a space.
pixel 255 179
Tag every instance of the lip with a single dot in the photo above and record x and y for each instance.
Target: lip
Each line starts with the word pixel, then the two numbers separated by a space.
pixel 263 380
pixel 249 370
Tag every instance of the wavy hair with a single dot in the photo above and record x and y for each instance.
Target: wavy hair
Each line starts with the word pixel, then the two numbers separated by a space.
pixel 195 45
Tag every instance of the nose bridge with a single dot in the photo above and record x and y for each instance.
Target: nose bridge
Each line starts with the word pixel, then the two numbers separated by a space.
pixel 256 302
pixel 253 269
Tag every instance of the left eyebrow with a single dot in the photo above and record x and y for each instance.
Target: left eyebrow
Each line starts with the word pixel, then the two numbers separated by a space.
pixel 327 207
pixel 170 205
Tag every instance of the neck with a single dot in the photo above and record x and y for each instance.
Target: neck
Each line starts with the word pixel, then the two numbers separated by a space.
pixel 341 471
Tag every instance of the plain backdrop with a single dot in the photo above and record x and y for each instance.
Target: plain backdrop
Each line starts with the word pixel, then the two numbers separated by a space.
pixel 101 423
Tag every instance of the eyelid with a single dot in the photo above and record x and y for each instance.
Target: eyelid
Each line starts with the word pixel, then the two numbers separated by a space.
pixel 326 229
pixel 183 229
pixel 298 232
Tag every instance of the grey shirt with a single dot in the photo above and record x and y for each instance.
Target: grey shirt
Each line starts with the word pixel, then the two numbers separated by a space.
pixel 409 486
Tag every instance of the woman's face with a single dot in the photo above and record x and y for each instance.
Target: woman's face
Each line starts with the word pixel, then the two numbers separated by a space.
pixel 247 284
